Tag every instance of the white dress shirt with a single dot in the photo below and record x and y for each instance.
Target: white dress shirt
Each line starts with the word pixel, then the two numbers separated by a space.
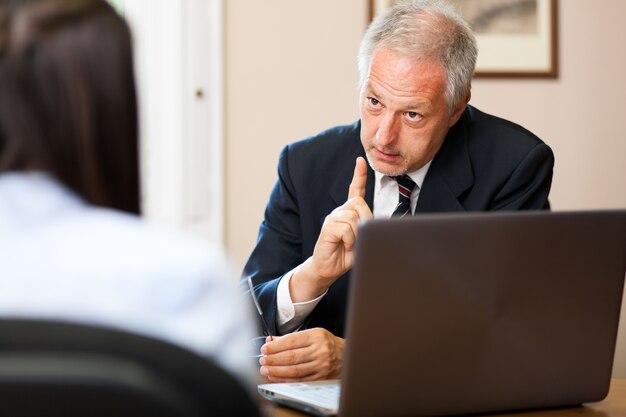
pixel 386 196
pixel 66 260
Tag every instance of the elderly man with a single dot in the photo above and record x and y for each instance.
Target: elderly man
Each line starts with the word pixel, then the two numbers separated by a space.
pixel 427 150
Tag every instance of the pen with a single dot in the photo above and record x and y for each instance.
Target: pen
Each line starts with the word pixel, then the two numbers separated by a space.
pixel 266 328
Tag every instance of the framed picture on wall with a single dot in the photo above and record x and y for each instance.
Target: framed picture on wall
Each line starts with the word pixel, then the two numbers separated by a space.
pixel 516 38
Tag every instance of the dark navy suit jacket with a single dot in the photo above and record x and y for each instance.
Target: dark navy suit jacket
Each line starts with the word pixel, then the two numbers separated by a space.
pixel 485 163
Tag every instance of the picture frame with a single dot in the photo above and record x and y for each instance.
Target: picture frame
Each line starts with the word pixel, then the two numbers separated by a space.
pixel 516 38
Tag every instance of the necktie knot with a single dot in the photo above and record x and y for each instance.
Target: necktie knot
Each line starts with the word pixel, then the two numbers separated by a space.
pixel 405 187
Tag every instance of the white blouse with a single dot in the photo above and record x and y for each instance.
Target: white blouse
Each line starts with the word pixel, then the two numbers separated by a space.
pixel 61 258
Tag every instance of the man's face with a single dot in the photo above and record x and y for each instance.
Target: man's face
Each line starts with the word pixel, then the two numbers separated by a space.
pixel 404 115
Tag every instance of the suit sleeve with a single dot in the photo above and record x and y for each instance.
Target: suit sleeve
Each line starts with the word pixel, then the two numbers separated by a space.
pixel 529 184
pixel 279 245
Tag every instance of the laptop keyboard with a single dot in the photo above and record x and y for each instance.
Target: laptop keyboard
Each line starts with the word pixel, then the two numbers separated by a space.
pixel 326 394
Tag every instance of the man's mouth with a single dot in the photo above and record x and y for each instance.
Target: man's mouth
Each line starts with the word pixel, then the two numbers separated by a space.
pixel 386 155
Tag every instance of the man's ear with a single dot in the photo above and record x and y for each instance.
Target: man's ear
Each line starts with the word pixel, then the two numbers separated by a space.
pixel 459 109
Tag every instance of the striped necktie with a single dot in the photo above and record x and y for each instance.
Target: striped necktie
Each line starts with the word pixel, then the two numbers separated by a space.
pixel 405 186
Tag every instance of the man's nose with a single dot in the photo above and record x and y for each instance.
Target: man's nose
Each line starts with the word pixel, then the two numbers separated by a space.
pixel 387 130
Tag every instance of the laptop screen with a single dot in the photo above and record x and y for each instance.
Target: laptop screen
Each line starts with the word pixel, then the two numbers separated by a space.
pixel 471 313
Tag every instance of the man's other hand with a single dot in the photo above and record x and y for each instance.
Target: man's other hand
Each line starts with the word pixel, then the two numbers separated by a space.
pixel 308 355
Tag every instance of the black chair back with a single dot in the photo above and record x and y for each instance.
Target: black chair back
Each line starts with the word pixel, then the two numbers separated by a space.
pixel 50 368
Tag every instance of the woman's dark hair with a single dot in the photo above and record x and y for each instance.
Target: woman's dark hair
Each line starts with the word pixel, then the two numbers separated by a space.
pixel 67 97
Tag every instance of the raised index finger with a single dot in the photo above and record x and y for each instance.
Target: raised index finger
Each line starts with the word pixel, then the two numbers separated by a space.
pixel 359 179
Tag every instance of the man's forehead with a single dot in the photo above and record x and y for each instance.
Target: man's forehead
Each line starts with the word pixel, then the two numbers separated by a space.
pixel 407 58
pixel 391 63
pixel 399 75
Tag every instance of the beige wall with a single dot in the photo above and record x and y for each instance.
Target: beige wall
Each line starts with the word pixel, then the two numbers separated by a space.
pixel 290 72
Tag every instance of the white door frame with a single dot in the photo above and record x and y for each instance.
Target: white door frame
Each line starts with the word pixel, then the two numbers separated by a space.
pixel 179 60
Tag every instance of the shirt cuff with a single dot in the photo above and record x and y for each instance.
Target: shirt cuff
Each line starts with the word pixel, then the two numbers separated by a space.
pixel 291 315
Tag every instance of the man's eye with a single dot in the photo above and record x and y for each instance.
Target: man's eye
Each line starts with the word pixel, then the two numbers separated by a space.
pixel 373 101
pixel 413 116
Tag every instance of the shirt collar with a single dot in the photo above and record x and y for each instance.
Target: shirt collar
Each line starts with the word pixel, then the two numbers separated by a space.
pixel 417 176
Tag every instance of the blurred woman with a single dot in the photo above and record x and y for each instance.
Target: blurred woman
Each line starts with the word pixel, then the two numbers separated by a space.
pixel 72 246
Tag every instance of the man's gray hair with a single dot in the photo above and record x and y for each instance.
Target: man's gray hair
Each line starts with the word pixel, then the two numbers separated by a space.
pixel 425 30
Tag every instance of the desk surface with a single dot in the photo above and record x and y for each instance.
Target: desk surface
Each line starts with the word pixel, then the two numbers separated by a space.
pixel 614 405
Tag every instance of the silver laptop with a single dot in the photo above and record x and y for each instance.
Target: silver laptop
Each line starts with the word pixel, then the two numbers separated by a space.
pixel 477 313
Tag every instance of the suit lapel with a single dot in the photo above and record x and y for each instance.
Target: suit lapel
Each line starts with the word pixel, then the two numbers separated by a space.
pixel 436 194
pixel 450 173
